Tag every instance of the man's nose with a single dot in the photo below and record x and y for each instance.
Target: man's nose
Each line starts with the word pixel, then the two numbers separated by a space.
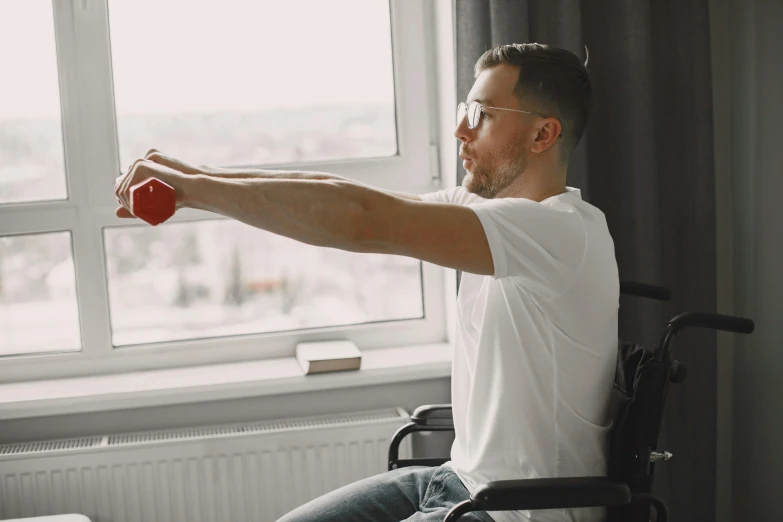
pixel 462 132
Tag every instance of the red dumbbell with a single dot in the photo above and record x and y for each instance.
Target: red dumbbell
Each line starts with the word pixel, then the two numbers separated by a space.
pixel 153 201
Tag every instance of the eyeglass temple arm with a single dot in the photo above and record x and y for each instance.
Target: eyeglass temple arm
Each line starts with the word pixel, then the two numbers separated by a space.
pixel 516 110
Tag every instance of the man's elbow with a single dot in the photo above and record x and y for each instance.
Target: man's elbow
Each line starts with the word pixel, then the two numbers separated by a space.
pixel 367 234
pixel 372 228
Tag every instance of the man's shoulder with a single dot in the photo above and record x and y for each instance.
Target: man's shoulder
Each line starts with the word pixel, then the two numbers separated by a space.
pixel 572 202
pixel 458 195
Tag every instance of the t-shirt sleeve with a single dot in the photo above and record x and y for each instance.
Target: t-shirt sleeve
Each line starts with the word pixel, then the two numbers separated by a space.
pixel 542 246
pixel 455 195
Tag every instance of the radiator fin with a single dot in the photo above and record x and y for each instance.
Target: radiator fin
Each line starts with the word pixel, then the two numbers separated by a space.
pixel 250 428
pixel 50 445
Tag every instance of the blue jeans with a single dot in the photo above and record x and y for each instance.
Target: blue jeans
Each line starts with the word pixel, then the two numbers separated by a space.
pixel 411 494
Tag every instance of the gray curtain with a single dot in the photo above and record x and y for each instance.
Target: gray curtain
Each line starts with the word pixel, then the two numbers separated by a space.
pixel 647 162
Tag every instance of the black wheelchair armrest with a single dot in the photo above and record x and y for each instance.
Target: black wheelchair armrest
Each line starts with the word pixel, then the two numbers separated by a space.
pixel 433 415
pixel 551 493
pixel 428 418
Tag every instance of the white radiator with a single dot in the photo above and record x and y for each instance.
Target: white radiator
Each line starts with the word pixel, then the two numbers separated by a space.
pixel 254 472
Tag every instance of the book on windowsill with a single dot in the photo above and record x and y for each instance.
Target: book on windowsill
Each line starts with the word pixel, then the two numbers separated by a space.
pixel 328 356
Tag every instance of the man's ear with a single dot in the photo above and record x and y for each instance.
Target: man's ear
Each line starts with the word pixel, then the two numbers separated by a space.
pixel 549 130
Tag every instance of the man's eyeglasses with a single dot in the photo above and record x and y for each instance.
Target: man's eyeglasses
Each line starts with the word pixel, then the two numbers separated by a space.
pixel 474 110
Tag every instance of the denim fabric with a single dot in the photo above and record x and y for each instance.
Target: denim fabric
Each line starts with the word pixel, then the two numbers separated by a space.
pixel 413 494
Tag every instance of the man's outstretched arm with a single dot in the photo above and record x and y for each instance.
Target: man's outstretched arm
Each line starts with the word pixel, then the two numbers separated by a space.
pixel 350 216
pixel 161 158
pixel 333 213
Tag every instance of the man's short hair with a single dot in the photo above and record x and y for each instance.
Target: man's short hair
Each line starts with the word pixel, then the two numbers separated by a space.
pixel 552 81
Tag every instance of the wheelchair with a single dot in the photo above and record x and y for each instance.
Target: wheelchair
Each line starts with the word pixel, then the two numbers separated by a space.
pixel 641 385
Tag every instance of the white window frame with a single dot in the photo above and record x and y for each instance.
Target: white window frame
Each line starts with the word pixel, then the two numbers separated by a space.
pixel 92 164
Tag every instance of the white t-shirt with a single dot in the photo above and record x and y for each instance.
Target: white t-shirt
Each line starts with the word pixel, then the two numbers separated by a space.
pixel 535 347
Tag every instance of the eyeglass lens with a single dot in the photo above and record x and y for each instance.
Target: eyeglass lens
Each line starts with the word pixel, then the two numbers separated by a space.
pixel 473 110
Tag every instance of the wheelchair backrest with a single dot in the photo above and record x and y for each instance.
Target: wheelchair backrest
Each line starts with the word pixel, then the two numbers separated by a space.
pixel 640 388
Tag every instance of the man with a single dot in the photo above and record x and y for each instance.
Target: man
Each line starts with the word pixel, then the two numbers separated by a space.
pixel 536 340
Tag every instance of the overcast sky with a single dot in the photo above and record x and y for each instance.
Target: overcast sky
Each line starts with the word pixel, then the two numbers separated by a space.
pixel 192 56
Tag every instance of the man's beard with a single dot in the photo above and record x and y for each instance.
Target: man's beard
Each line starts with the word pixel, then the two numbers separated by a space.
pixel 496 173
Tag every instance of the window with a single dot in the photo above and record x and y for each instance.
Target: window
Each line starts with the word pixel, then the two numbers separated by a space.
pixel 32 165
pixel 286 85
pixel 38 307
pixel 254 82
pixel 219 277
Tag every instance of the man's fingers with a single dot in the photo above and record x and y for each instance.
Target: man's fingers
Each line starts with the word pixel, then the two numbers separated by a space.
pixel 134 164
pixel 137 172
pixel 143 168
pixel 130 178
pixel 118 189
pixel 123 212
pixel 118 183
pixel 125 183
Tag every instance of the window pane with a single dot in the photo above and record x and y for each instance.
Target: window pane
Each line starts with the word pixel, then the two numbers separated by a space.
pixel 264 82
pixel 31 145
pixel 38 308
pixel 220 277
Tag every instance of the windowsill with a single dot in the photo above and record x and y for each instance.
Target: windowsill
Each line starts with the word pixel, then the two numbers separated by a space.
pixel 216 382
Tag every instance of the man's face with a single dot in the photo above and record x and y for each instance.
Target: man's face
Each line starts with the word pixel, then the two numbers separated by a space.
pixel 495 152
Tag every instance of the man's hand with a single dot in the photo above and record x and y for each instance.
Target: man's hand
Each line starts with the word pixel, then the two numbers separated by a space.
pixel 154 165
pixel 161 158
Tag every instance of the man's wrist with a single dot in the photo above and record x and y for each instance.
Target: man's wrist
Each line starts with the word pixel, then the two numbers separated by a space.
pixel 194 187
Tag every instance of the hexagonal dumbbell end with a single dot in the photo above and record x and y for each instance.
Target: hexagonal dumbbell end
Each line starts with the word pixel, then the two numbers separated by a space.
pixel 153 201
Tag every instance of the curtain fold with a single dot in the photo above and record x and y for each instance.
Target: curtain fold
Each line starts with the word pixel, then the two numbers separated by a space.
pixel 646 160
